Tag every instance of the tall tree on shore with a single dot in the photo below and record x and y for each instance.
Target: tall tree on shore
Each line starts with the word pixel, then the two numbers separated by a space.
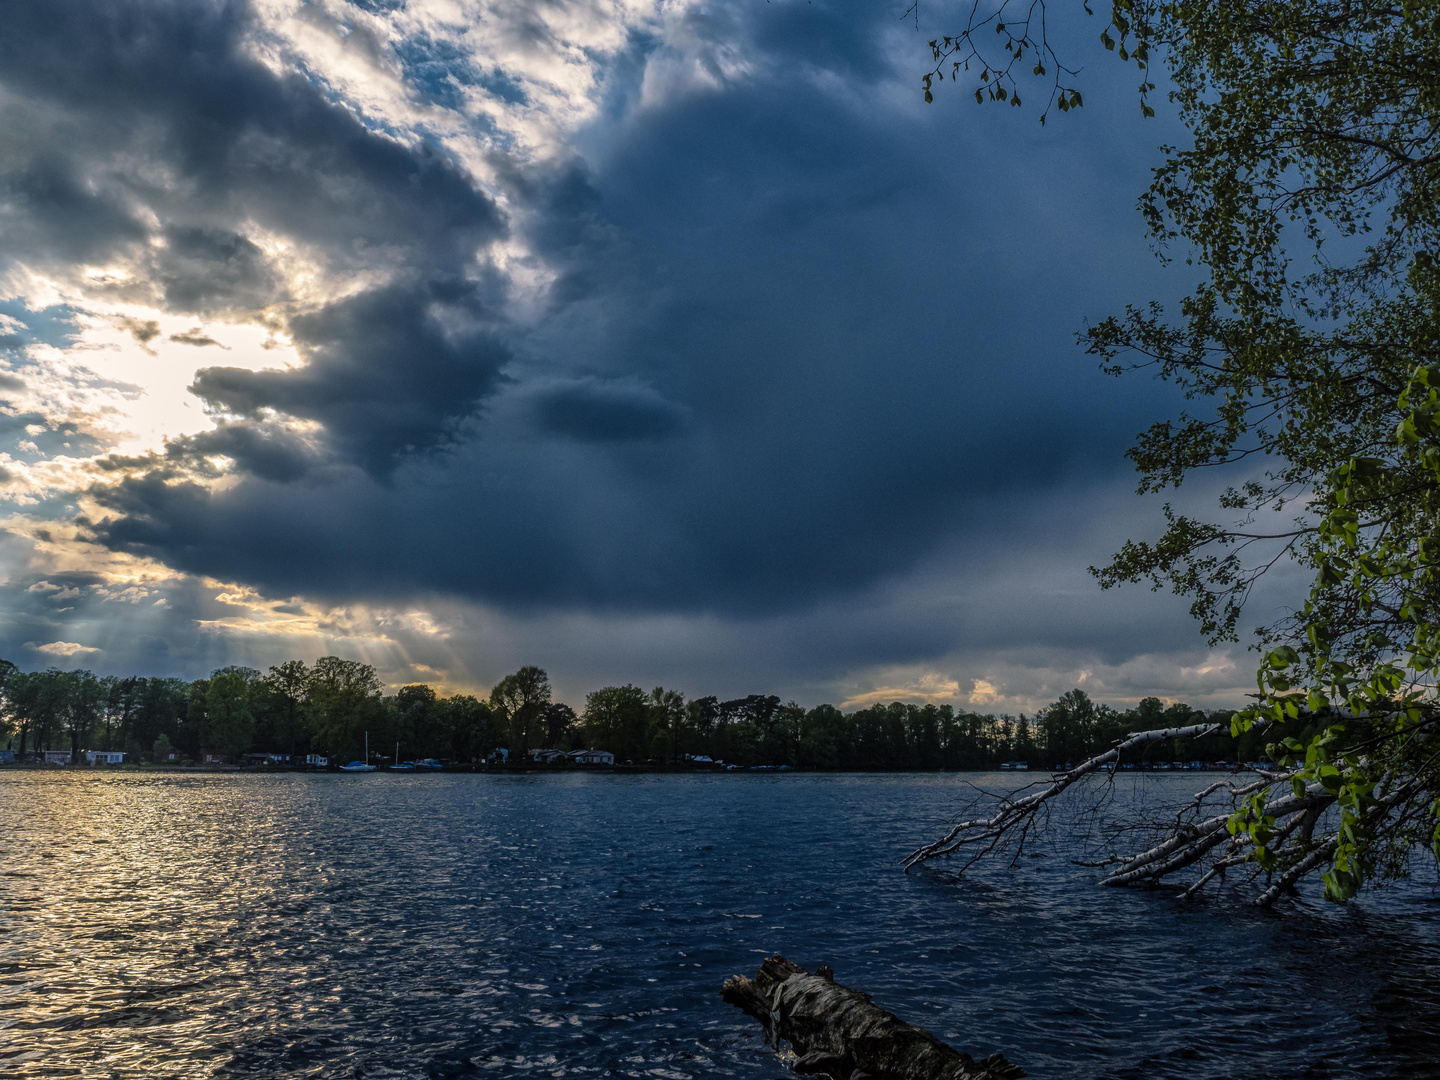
pixel 417 718
pixel 82 698
pixel 7 710
pixel 36 700
pixel 344 698
pixel 467 724
pixel 288 687
pixel 520 700
pixel 161 710
pixel 617 719
pixel 667 713
pixel 229 718
pixel 559 723
pixel 703 713
pixel 1309 198
pixel 121 703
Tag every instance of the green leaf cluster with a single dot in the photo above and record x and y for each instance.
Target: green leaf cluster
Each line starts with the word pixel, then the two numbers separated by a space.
pixel 1307 204
pixel 1309 201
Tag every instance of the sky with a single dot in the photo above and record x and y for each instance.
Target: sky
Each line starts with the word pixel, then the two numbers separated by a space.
pixel 671 342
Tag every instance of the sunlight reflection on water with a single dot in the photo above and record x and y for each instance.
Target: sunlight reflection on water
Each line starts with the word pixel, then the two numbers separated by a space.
pixel 455 925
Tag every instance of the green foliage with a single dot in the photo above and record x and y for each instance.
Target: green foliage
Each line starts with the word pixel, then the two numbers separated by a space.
pixel 1308 202
pixel 1315 131
pixel 520 701
pixel 997 63
pixel 281 702
pixel 329 708
pixel 417 718
pixel 229 724
pixel 344 703
pixel 469 729
pixel 617 719
pixel 80 697
pixel 1310 347
pixel 7 717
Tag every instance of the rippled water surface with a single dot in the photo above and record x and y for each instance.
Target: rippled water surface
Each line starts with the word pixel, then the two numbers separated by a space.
pixel 459 925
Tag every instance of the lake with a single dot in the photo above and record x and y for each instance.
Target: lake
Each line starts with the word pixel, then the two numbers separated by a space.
pixel 454 925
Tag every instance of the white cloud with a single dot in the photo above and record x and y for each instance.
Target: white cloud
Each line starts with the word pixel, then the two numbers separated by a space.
pixel 928 687
pixel 60 648
pixel 983 692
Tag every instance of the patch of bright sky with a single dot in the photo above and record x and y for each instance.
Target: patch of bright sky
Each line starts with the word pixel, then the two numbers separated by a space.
pixel 518 77
pixel 1025 686
pixel 165 366
pixel 521 78
pixel 125 374
pixel 488 81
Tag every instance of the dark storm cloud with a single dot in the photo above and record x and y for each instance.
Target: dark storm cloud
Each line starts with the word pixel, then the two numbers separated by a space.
pixel 142 330
pixel 195 337
pixel 106 98
pixel 123 114
pixel 389 371
pixel 598 411
pixel 794 346
pixel 807 359
pixel 268 450
pixel 204 269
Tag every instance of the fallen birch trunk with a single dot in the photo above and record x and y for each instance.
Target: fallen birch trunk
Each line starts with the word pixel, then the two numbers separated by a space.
pixel 840 1032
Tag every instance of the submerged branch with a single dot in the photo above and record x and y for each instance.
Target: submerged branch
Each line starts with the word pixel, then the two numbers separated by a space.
pixel 1015 814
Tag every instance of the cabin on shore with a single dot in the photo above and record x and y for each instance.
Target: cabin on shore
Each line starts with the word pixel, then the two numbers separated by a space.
pixel 591 757
pixel 105 757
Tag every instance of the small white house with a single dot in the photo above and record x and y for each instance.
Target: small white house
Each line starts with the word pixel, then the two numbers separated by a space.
pixel 317 761
pixel 57 757
pixel 104 757
pixel 592 757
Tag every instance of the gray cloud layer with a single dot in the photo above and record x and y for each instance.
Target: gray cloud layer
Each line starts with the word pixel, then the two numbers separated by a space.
pixel 145 134
pixel 802 340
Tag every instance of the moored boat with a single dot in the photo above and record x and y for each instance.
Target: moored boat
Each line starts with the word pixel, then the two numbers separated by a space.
pixel 361 766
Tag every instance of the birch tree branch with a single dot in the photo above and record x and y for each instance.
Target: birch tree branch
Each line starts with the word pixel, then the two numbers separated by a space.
pixel 1017 813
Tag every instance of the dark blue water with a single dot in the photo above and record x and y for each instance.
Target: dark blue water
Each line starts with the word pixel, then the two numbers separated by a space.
pixel 451 926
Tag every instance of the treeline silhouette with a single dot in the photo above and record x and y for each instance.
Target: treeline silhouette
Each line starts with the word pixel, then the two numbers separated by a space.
pixel 330 707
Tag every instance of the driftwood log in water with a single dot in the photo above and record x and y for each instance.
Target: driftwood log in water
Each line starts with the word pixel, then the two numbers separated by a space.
pixel 841 1033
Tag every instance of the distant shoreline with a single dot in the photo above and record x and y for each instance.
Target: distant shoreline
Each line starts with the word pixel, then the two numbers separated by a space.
pixel 551 770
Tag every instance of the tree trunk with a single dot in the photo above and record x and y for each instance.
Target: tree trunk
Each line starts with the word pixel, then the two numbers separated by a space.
pixel 841 1033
